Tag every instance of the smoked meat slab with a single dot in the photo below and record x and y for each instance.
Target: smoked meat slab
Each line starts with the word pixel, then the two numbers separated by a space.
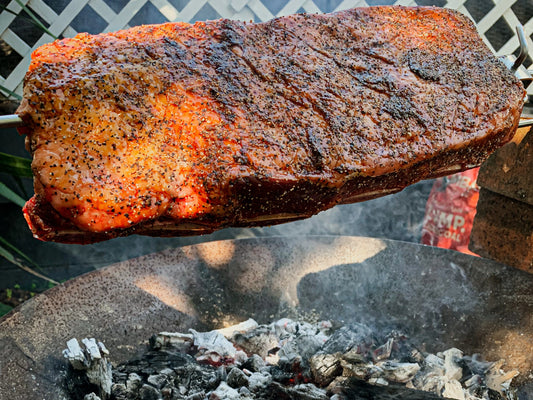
pixel 180 129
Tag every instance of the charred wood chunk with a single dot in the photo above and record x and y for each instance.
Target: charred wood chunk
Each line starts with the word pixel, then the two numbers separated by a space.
pixel 254 363
pixel 258 341
pixel 354 336
pixel 236 378
pixel 356 389
pixel 277 391
pixel 325 368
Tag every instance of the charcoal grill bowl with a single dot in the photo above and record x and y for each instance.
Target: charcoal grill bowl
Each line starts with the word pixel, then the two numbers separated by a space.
pixel 439 297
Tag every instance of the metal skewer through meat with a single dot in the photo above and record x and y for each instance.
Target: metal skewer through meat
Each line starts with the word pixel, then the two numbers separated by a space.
pixel 180 129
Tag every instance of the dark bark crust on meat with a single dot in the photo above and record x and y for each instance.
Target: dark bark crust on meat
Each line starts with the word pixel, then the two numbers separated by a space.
pixel 303 112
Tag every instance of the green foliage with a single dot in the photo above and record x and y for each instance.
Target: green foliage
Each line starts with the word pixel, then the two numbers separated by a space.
pixel 16 166
pixel 11 195
pixel 10 93
pixel 10 252
pixel 34 19
pixel 4 309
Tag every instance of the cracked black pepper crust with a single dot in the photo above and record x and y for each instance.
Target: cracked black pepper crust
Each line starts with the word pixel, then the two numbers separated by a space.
pixel 180 129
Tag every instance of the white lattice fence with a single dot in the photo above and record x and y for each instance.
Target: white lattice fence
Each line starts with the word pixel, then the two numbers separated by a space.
pixel 496 20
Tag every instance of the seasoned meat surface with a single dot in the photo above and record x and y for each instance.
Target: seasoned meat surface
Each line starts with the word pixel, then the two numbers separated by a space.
pixel 180 129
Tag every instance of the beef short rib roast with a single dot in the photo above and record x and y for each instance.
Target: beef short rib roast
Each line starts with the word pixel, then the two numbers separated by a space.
pixel 180 129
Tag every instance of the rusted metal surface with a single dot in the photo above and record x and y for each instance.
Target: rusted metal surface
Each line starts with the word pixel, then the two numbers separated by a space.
pixel 441 298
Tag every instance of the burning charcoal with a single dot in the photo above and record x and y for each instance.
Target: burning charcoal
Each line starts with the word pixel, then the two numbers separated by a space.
pixel 476 365
pixel 222 373
pixel 120 392
pixel 75 355
pixel 157 381
pixel 258 381
pixel 353 336
pixel 378 381
pixel 180 341
pixel 166 372
pixel 354 357
pixel 307 391
pixel 154 361
pixel 167 391
pixel 414 356
pixel 361 371
pixel 497 379
pixel 258 341
pixel 287 328
pixel 254 363
pixel 429 380
pixel 303 346
pixel 197 378
pixel 434 362
pixel 241 328
pixel 90 360
pixel 91 349
pixel 336 386
pixel 453 390
pixel 147 392
pixel 401 349
pixel 281 375
pixel 325 368
pixel 452 368
pixel 182 390
pixel 213 341
pixel 224 392
pixel 215 349
pixel 196 396
pixel 473 382
pixel 91 396
pixel 355 389
pixel 236 378
pixel 384 351
pixel 398 372
pixel 276 391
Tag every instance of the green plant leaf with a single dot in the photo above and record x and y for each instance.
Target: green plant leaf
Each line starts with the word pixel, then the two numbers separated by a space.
pixel 31 20
pixel 14 165
pixel 10 93
pixel 21 186
pixel 4 309
pixel 13 249
pixel 35 19
pixel 11 195
pixel 6 250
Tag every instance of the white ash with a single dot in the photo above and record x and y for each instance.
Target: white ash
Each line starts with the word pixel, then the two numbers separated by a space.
pixel 92 359
pixel 287 359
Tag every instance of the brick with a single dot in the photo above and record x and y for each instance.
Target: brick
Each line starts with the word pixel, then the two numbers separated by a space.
pixel 503 230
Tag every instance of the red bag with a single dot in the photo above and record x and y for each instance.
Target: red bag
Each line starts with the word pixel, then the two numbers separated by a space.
pixel 450 211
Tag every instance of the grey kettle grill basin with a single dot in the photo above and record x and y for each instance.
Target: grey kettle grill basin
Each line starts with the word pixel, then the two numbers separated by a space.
pixel 438 297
